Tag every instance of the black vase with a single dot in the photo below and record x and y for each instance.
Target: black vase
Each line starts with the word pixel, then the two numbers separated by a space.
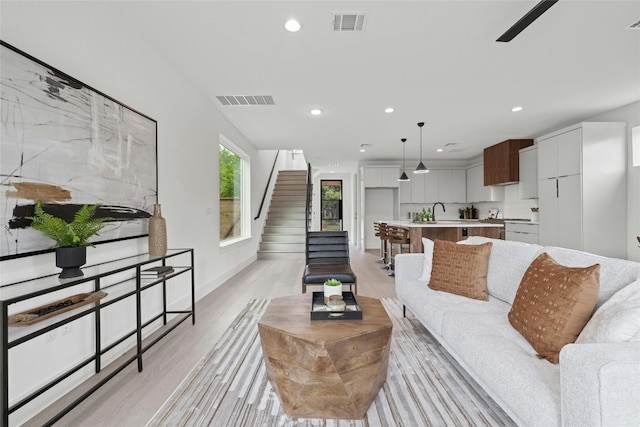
pixel 70 260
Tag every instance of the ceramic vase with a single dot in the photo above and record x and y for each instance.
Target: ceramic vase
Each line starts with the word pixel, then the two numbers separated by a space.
pixel 331 290
pixel 157 233
pixel 70 260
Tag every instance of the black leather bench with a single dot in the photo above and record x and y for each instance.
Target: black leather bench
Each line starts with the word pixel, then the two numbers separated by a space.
pixel 327 257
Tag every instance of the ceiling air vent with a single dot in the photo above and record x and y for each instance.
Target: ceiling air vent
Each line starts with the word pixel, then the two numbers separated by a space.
pixel 348 21
pixel 635 25
pixel 452 147
pixel 246 100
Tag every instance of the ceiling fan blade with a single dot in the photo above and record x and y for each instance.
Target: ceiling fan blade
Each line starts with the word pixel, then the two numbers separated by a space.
pixel 526 20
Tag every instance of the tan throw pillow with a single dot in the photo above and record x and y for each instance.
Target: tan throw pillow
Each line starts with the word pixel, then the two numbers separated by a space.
pixel 460 269
pixel 553 303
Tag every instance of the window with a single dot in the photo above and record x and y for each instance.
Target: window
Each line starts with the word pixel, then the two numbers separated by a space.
pixel 234 193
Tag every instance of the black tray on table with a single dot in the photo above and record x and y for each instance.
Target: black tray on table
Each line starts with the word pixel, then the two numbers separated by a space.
pixel 319 310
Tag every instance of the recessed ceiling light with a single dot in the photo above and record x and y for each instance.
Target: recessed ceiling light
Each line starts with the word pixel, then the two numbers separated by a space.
pixel 292 25
pixel 316 111
pixel 516 109
pixel 362 150
pixel 440 150
pixel 389 110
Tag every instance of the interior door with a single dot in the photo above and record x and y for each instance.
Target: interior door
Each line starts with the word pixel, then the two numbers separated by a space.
pixel 331 204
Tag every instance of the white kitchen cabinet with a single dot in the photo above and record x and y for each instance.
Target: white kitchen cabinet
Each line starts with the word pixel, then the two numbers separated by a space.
pixel 459 186
pixel 477 191
pixel 417 187
pixel 424 187
pixel 371 177
pixel 582 188
pixel 452 186
pixel 389 177
pixel 548 212
pixel 431 183
pixel 381 177
pixel 439 185
pixel 570 222
pixel 475 180
pixel 570 152
pixel 526 232
pixel 521 237
pixel 547 159
pixel 528 186
pixel 405 191
pixel 560 155
pixel 560 216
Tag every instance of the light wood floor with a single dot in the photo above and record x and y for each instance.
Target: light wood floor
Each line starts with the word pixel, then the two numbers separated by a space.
pixel 130 399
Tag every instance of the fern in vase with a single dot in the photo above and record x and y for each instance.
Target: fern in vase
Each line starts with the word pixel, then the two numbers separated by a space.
pixel 69 234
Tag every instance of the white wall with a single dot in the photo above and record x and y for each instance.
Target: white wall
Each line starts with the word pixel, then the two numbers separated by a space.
pixel 118 63
pixel 630 114
pixel 293 160
pixel 90 43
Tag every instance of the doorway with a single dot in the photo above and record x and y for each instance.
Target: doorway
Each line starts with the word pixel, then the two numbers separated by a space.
pixel 331 204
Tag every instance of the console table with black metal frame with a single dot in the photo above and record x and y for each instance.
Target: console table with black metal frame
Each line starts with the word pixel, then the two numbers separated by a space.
pixel 125 272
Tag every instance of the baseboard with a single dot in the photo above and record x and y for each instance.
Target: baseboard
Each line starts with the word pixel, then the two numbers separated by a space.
pixel 209 286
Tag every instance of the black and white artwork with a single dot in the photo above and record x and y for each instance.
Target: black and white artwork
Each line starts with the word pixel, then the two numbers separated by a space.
pixel 65 144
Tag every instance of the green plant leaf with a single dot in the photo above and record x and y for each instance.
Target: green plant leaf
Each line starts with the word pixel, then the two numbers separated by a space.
pixel 73 234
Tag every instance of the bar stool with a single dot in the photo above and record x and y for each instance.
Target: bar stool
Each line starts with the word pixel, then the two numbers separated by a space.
pixel 397 236
pixel 384 245
pixel 380 229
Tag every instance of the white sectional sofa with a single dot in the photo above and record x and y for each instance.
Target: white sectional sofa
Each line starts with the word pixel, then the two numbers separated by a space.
pixel 596 383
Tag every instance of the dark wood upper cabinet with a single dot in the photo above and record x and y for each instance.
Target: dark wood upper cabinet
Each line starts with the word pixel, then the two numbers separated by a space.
pixel 502 162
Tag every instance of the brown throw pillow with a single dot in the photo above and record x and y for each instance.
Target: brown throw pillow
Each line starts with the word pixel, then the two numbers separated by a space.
pixel 553 303
pixel 460 269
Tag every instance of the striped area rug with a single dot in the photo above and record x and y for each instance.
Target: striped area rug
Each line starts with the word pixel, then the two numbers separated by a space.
pixel 425 386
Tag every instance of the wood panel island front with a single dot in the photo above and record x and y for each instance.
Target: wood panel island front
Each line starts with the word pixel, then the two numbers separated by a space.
pixel 450 230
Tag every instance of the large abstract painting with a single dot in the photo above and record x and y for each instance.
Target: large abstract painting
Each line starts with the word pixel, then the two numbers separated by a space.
pixel 65 144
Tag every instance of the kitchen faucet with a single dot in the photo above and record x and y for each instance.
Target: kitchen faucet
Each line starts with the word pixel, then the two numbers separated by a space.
pixel 433 209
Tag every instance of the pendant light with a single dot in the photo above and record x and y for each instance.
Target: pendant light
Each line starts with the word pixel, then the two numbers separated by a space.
pixel 404 176
pixel 421 167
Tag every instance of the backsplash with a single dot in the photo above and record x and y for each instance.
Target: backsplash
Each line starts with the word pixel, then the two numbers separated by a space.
pixel 512 207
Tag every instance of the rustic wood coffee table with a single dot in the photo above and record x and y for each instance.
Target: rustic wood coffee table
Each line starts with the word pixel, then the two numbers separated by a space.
pixel 325 368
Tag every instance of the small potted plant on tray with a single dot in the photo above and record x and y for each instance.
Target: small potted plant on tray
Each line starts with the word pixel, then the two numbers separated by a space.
pixel 332 287
pixel 72 238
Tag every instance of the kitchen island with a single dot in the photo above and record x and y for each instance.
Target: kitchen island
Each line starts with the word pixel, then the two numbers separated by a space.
pixel 451 230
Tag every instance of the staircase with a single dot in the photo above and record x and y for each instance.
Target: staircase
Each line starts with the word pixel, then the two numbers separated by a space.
pixel 285 230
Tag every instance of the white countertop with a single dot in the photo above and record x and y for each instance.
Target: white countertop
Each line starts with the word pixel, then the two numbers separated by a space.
pixel 440 224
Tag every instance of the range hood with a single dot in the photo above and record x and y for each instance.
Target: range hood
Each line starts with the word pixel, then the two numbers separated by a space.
pixel 502 162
